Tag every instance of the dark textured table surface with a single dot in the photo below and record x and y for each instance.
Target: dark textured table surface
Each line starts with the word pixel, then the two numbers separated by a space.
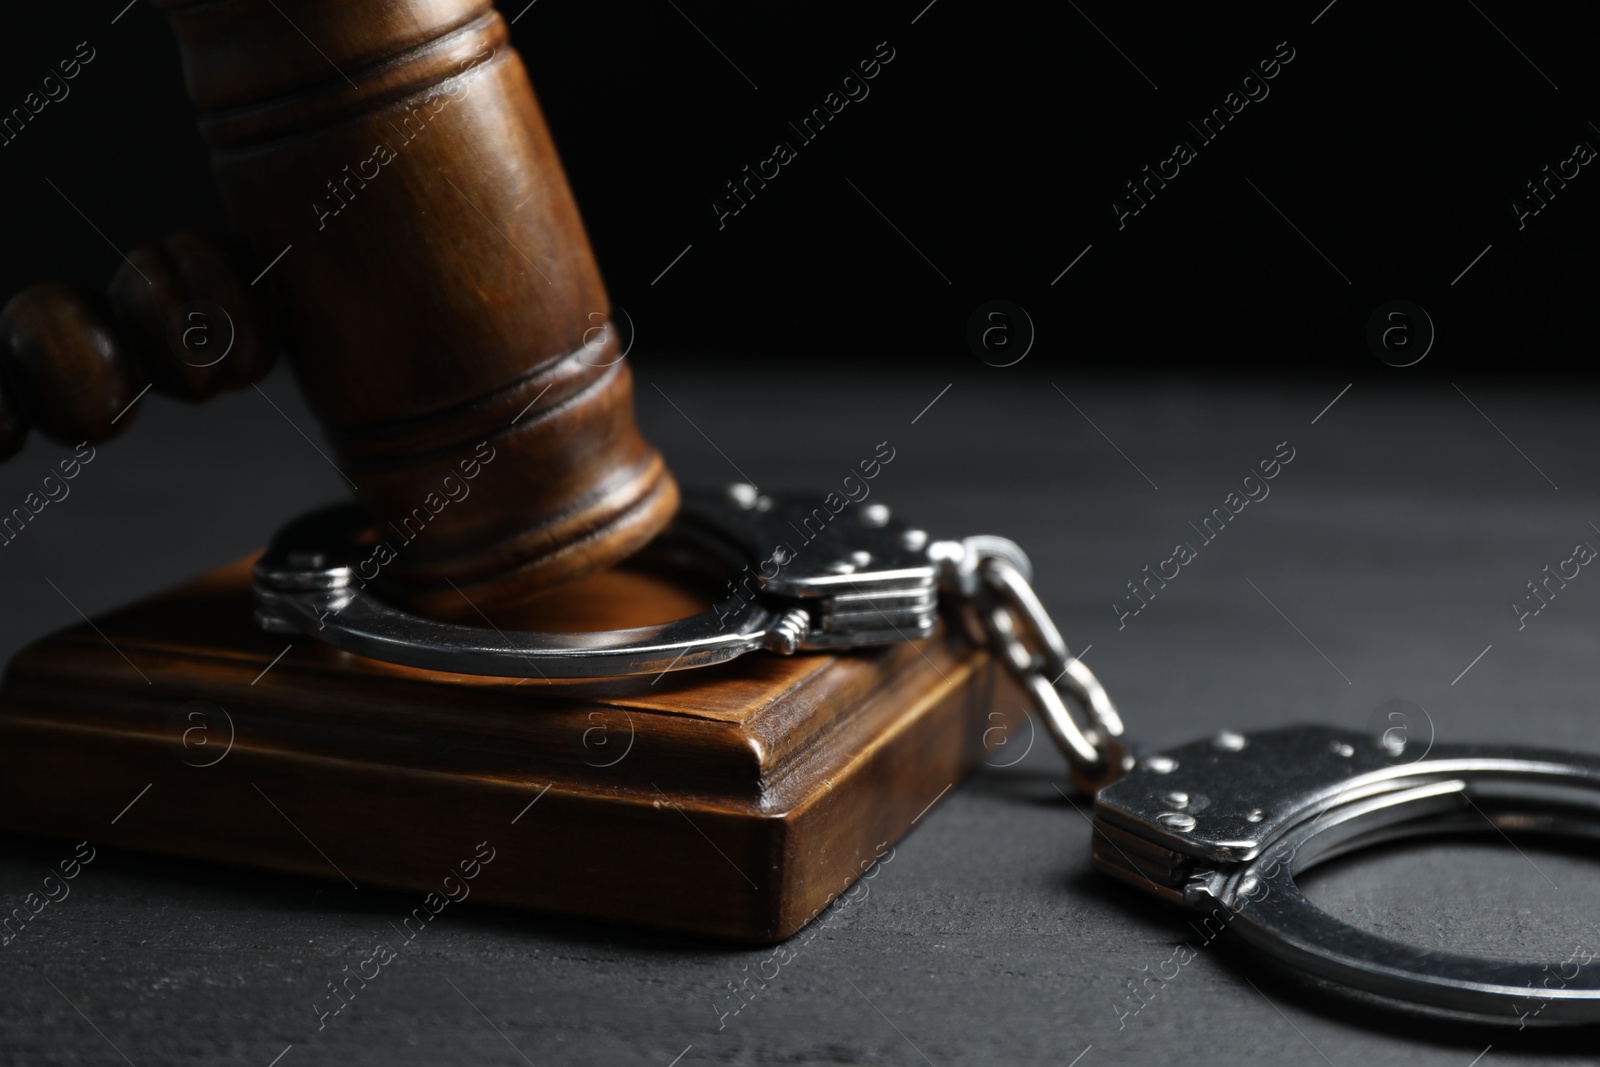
pixel 1383 563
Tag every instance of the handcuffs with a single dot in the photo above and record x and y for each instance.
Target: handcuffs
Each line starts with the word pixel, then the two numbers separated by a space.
pixel 1222 825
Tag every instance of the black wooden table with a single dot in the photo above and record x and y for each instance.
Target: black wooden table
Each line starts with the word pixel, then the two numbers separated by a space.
pixel 1381 566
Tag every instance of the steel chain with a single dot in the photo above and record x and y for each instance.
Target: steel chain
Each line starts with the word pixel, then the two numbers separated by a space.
pixel 990 576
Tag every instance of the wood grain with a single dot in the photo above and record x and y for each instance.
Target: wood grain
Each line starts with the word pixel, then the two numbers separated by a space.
pixel 421 260
pixel 438 293
pixel 733 801
pixel 72 376
pixel 189 319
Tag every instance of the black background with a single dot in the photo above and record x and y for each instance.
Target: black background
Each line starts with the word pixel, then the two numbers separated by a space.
pixel 995 142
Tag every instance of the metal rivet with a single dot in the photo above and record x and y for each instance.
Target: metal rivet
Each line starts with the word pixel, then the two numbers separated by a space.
pixel 1255 816
pixel 1160 764
pixel 742 495
pixel 915 540
pixel 1177 799
pixel 1229 741
pixel 875 515
pixel 1176 820
pixel 1339 748
pixel 860 558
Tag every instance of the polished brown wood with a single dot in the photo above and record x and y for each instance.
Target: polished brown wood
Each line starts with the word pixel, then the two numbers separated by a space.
pixel 436 288
pixel 189 318
pixel 73 379
pixel 423 263
pixel 76 363
pixel 734 801
pixel 421 260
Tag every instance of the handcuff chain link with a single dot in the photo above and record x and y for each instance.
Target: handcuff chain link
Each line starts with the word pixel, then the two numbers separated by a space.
pixel 989 576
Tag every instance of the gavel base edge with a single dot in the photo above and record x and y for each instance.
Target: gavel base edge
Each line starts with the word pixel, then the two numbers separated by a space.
pixel 734 801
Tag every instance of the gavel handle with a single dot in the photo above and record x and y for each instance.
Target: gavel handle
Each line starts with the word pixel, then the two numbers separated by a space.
pixel 177 318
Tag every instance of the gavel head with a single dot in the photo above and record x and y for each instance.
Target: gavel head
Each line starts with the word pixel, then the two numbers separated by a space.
pixel 426 268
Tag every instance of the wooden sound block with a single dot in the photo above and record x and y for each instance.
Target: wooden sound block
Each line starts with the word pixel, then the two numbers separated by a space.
pixel 734 801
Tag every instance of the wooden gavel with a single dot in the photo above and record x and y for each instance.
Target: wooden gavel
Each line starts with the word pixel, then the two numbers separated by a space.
pixel 418 255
